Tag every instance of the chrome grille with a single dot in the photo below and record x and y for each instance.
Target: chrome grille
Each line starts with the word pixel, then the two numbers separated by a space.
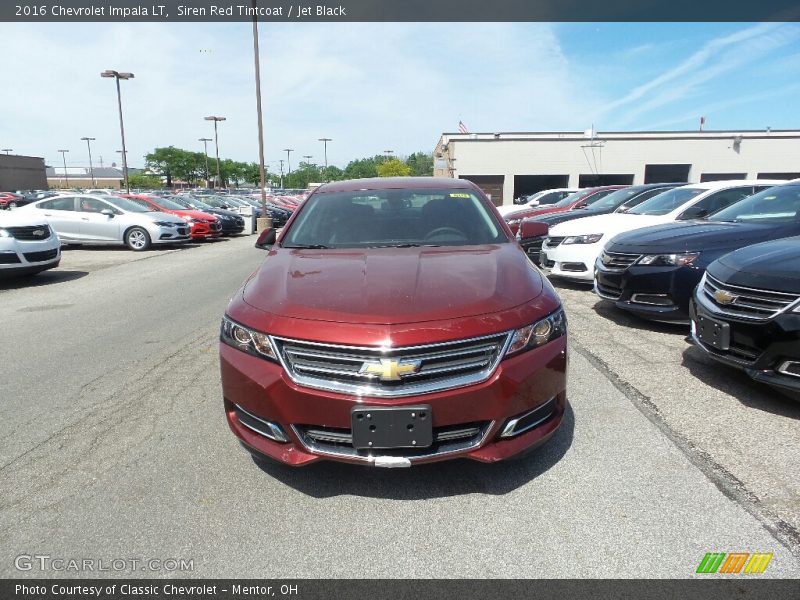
pixel 618 260
pixel 29 232
pixel 746 303
pixel 435 366
pixel 552 242
pixel 446 440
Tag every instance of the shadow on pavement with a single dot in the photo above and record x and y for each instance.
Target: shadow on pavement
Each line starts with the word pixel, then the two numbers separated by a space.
pixel 738 384
pixel 608 311
pixel 435 480
pixel 45 278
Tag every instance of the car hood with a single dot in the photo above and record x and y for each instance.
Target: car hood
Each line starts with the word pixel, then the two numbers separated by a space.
pixel 393 285
pixel 194 214
pixel 23 217
pixel 697 236
pixel 162 216
pixel 773 265
pixel 534 212
pixel 570 215
pixel 606 224
pixel 221 211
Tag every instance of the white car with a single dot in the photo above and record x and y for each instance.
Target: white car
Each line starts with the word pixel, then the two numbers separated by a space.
pixel 571 248
pixel 27 244
pixel 538 199
pixel 96 219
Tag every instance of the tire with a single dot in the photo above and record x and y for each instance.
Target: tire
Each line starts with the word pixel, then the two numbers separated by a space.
pixel 12 204
pixel 137 239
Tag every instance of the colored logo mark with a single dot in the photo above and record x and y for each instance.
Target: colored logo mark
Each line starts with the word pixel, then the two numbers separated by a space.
pixel 735 562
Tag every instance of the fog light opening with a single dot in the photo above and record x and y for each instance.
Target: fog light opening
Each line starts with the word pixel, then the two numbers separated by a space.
pixel 528 420
pixel 268 429
pixel 790 367
pixel 652 299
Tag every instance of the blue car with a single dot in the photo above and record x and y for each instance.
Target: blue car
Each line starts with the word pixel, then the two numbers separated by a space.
pixel 652 272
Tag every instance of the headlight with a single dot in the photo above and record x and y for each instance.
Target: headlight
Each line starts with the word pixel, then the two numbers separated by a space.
pixel 540 333
pixel 166 224
pixel 514 221
pixel 668 260
pixel 591 238
pixel 246 340
pixel 4 233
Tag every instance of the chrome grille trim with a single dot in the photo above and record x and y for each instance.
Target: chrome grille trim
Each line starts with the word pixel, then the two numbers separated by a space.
pixel 373 456
pixel 618 261
pixel 344 436
pixel 751 304
pixel 443 365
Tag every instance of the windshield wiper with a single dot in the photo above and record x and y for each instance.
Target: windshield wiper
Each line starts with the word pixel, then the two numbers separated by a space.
pixel 309 247
pixel 404 245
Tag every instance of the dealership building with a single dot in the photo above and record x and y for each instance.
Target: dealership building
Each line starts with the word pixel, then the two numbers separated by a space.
pixel 509 165
pixel 21 173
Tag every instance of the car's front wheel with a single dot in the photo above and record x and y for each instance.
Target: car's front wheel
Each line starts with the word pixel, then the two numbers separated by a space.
pixel 137 239
pixel 12 204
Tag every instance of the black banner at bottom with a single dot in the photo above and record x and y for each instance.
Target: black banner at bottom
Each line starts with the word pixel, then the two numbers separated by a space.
pixel 396 589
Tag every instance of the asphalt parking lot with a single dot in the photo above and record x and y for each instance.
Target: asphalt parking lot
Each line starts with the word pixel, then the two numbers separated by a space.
pixel 115 445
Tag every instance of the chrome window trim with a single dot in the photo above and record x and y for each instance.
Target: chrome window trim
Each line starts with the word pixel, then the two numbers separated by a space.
pixel 411 389
pixel 375 458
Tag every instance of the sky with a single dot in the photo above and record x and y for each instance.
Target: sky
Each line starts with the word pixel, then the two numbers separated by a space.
pixel 373 87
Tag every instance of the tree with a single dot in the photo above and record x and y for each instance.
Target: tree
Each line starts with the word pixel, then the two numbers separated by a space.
pixel 303 175
pixel 140 180
pixel 393 168
pixel 362 168
pixel 174 162
pixel 421 164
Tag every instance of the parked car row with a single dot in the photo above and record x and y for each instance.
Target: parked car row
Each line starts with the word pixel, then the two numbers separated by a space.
pixel 723 256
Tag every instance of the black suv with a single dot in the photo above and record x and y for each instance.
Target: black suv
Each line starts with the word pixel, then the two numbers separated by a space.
pixel 746 312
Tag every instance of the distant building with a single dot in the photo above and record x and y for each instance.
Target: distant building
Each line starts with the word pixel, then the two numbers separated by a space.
pixel 510 165
pixel 80 177
pixel 22 173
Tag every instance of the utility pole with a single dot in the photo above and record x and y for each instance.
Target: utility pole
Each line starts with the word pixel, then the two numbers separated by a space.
pixel 89 141
pixel 66 176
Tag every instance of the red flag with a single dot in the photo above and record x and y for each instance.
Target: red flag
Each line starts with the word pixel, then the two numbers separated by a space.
pixel 462 128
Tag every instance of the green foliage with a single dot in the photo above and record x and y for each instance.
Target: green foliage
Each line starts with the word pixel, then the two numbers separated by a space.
pixel 140 180
pixel 421 164
pixel 393 168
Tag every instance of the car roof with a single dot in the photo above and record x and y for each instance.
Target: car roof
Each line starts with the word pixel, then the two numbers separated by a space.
pixel 389 183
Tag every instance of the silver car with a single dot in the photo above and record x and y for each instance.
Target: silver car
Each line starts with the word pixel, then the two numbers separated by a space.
pixel 27 244
pixel 97 219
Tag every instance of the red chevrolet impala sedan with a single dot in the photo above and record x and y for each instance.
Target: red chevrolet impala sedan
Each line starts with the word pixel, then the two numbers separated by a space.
pixel 394 321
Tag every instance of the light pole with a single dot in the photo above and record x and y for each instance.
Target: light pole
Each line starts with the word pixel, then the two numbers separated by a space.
pixel 288 159
pixel 205 151
pixel 388 153
pixel 8 150
pixel 89 141
pixel 216 144
pixel 281 161
pixel 308 158
pixel 325 143
pixel 262 178
pixel 66 177
pixel 117 76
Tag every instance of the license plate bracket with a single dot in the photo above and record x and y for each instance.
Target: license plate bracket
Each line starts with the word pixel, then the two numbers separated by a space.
pixel 716 334
pixel 392 427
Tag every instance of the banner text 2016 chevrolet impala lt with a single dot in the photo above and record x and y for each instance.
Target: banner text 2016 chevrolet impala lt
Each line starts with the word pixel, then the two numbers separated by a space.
pixel 395 321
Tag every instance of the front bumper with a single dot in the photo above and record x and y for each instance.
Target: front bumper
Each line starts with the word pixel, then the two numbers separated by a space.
pixel 658 293
pixel 761 349
pixel 571 261
pixel 202 231
pixel 23 257
pixel 253 387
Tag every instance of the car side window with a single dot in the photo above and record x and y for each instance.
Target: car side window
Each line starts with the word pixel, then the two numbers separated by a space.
pixel 63 203
pixel 92 205
pixel 720 200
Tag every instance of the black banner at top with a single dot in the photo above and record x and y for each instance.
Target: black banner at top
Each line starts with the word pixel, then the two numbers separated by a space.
pixel 398 10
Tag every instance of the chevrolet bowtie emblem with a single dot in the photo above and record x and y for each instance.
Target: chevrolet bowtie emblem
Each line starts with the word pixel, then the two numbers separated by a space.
pixel 389 369
pixel 38 232
pixel 606 259
pixel 724 297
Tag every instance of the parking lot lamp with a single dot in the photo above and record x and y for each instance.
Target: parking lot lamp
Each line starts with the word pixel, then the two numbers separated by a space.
pixel 205 151
pixel 288 160
pixel 89 141
pixel 281 161
pixel 117 76
pixel 216 144
pixel 66 177
pixel 325 145
pixel 8 150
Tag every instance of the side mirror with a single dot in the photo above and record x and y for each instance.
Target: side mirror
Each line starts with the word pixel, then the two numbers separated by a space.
pixel 695 212
pixel 266 239
pixel 532 229
pixel 107 212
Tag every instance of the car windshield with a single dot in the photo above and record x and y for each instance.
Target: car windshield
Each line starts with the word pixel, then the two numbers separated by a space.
pixel 394 218
pixel 567 200
pixel 615 199
pixel 774 205
pixel 667 202
pixel 129 204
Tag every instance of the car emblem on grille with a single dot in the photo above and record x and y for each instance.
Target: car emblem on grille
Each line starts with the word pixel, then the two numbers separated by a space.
pixel 389 369
pixel 38 232
pixel 607 259
pixel 724 297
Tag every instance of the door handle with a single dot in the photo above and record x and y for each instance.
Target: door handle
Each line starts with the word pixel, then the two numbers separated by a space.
pixel 47 215
pixel 84 218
